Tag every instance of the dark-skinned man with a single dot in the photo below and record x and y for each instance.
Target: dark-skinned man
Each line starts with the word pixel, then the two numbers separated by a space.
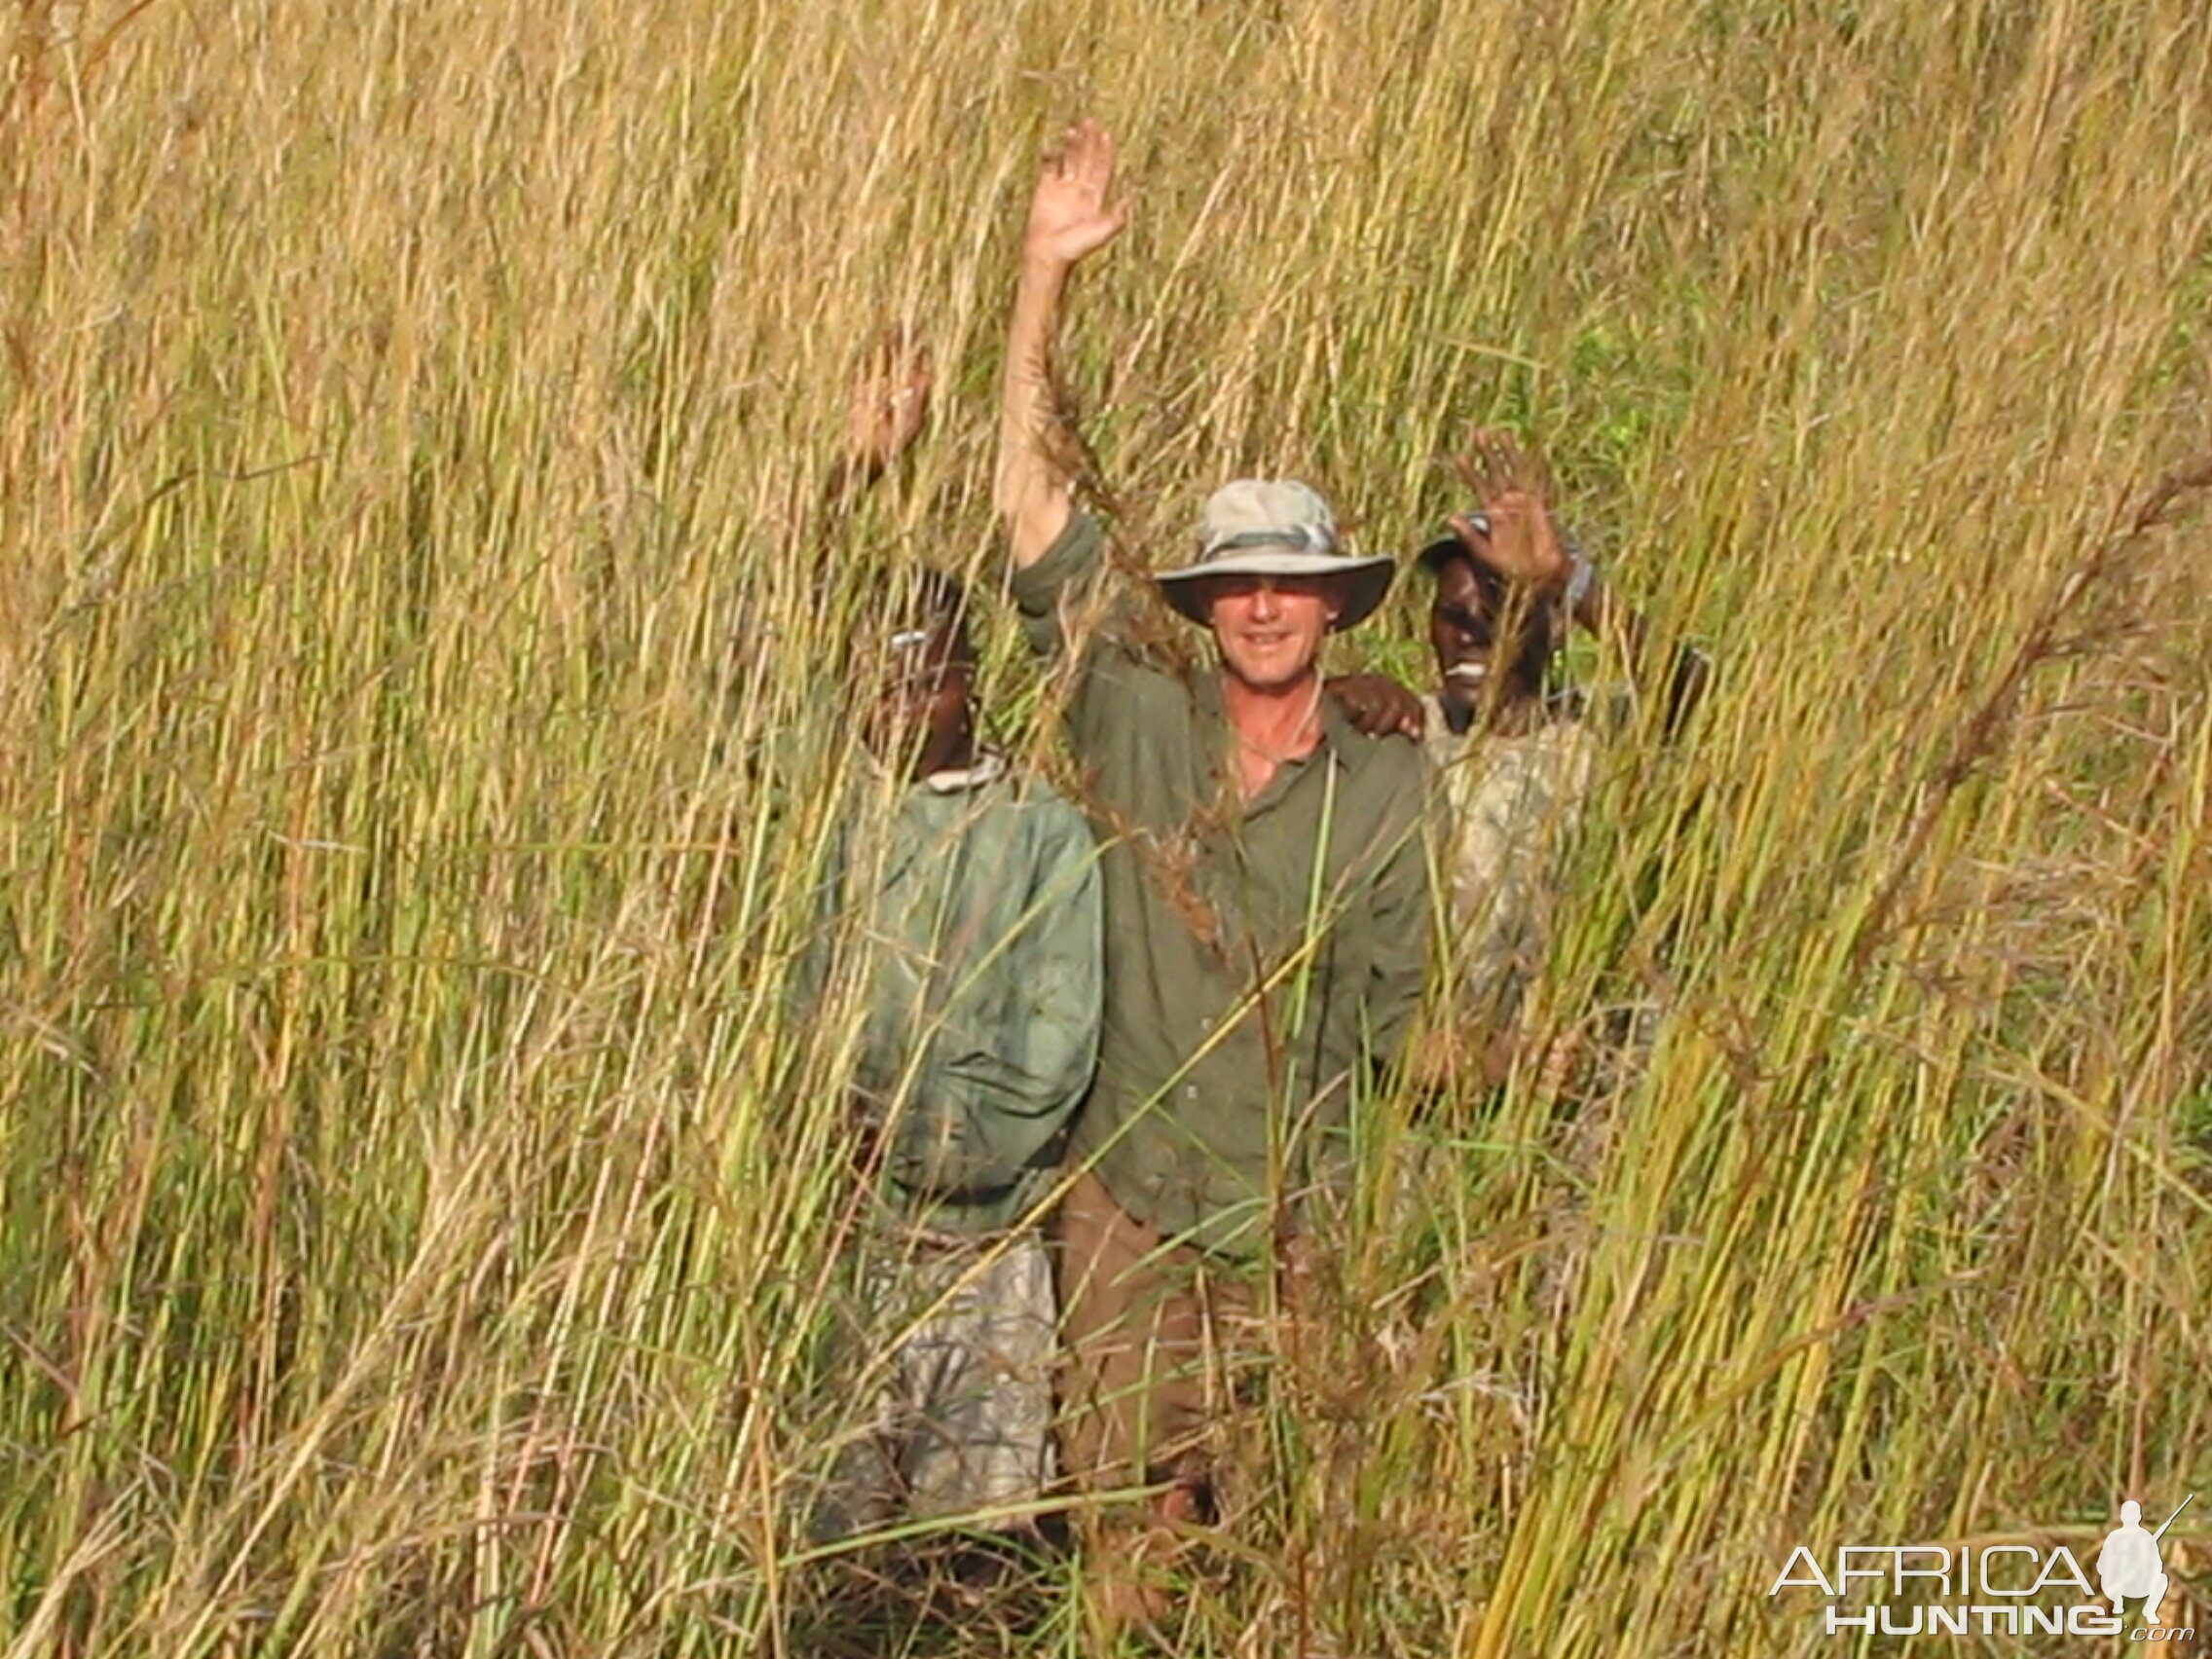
pixel 1514 757
pixel 976 905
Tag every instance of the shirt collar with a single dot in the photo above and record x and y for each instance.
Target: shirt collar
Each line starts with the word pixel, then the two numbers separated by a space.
pixel 1336 724
pixel 1335 727
pixel 989 767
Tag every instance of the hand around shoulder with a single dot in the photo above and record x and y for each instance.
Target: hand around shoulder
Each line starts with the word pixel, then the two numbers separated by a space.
pixel 1377 706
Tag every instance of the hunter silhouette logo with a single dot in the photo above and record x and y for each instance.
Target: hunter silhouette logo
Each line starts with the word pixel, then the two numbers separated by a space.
pixel 2129 1566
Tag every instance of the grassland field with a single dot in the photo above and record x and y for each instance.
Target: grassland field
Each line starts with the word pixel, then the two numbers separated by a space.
pixel 417 1213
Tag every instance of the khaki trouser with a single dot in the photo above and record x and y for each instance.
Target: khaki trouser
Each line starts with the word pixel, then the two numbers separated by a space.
pixel 1148 1330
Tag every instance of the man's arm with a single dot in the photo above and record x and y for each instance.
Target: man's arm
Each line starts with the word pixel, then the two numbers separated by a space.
pixel 1069 219
pixel 1608 615
pixel 1015 1050
pixel 1377 705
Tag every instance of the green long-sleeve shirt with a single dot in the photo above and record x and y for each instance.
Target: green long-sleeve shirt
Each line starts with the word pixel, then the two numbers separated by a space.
pixel 1259 955
pixel 981 1023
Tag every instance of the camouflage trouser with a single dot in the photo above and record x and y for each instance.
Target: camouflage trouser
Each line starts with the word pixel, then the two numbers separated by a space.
pixel 962 1419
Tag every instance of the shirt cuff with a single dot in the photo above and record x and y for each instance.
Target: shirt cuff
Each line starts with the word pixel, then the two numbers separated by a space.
pixel 1074 557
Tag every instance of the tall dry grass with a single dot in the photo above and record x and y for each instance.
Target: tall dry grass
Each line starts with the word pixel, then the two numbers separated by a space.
pixel 417 753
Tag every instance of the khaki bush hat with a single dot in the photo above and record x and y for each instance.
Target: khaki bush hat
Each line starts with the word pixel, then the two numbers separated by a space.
pixel 1274 527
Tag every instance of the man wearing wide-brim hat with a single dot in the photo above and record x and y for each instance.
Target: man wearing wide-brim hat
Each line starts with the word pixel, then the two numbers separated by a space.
pixel 1282 530
pixel 1267 912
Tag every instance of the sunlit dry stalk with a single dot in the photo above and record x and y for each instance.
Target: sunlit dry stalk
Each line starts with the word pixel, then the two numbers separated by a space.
pixel 1984 730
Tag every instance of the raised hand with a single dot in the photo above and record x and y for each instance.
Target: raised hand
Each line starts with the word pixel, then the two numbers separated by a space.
pixel 891 400
pixel 1523 542
pixel 1069 217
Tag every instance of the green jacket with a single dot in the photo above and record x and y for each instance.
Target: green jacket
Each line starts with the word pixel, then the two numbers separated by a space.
pixel 981 910
pixel 1262 958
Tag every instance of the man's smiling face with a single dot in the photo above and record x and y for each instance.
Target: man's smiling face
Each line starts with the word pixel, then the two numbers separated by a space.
pixel 1270 628
pixel 1478 641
